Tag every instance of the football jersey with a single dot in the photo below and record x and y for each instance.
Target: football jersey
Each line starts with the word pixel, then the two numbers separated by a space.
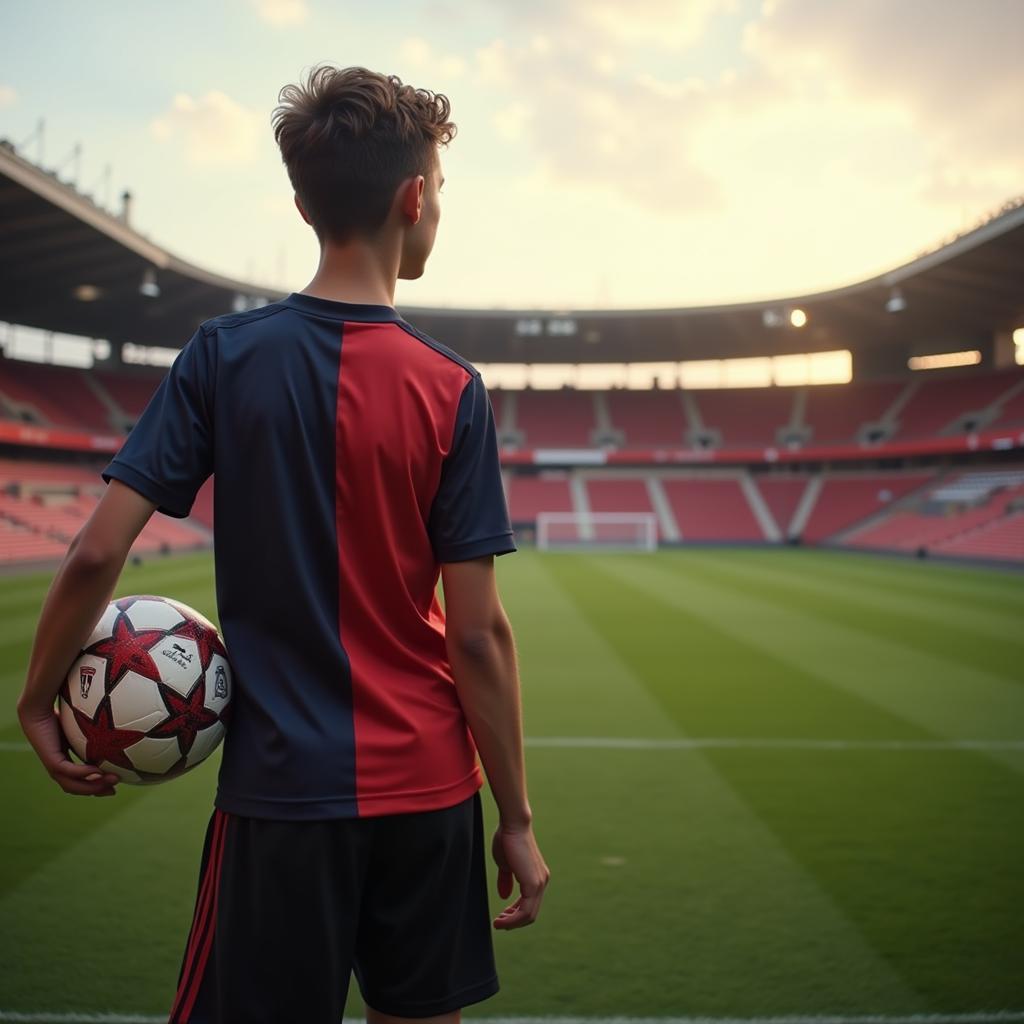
pixel 352 455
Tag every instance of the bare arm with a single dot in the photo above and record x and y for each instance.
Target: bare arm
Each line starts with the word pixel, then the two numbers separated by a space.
pixel 80 591
pixel 483 658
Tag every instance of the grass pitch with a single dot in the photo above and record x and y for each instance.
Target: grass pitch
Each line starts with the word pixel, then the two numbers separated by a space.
pixel 820 809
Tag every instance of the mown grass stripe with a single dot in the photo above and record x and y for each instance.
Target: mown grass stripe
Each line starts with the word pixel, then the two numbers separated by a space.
pixel 920 577
pixel 916 685
pixel 890 842
pixel 908 625
pixel 1001 626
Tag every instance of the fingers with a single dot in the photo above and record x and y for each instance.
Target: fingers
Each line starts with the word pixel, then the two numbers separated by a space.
pixel 520 914
pixel 83 779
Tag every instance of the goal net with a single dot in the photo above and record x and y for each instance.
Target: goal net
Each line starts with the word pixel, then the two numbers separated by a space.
pixel 597 531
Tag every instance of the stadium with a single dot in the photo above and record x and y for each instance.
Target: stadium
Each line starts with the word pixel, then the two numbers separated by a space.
pixel 884 416
pixel 768 605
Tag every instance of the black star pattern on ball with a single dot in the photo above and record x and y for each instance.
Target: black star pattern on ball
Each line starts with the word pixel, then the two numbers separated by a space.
pixel 128 651
pixel 205 639
pixel 104 742
pixel 185 716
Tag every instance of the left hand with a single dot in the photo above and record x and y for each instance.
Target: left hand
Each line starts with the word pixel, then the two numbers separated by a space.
pixel 42 729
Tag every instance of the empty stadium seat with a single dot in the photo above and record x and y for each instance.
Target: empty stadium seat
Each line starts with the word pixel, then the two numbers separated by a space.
pixel 528 495
pixel 751 416
pixel 556 419
pixel 846 500
pixel 836 412
pixel 711 510
pixel 782 495
pixel 131 392
pixel 60 394
pixel 648 417
pixel 939 402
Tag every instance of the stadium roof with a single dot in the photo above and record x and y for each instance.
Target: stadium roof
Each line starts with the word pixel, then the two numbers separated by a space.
pixel 68 265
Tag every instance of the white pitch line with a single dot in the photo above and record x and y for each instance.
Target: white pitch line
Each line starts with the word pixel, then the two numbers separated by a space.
pixel 765 743
pixel 982 1017
pixel 715 743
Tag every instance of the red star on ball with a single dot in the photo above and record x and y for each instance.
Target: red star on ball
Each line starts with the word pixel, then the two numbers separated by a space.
pixel 128 651
pixel 186 716
pixel 205 639
pixel 103 742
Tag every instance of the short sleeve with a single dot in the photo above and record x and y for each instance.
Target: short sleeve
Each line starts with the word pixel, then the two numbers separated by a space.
pixel 169 453
pixel 469 515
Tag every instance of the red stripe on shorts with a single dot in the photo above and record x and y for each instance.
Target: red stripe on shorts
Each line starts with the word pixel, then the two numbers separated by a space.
pixel 202 927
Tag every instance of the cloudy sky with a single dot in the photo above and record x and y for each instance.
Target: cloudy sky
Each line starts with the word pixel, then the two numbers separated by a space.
pixel 650 153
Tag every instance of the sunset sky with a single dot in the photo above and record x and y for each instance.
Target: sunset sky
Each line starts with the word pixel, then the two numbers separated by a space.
pixel 609 154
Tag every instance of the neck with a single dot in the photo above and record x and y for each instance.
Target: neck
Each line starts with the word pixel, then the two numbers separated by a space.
pixel 356 272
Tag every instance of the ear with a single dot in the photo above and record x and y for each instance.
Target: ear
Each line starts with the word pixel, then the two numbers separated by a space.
pixel 410 198
pixel 298 206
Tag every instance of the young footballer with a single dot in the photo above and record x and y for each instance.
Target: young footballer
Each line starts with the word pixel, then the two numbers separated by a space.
pixel 356 462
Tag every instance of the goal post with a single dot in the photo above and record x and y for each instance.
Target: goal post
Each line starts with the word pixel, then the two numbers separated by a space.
pixel 597 531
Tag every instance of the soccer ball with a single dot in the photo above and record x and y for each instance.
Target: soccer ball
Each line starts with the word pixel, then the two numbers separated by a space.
pixel 148 696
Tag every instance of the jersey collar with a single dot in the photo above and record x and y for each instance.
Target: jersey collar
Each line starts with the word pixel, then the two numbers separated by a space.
pixel 336 310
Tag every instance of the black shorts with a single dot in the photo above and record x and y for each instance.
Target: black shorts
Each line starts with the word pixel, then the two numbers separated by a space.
pixel 287 909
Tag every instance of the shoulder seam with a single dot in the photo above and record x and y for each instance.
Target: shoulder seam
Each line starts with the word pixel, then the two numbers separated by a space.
pixel 236 319
pixel 438 347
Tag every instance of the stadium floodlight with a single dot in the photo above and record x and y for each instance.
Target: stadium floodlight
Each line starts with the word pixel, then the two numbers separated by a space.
pixel 149 287
pixel 597 531
pixel 797 317
pixel 1018 344
pixel 895 303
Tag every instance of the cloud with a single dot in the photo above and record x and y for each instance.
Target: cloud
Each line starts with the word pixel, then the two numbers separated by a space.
pixel 213 129
pixel 670 25
pixel 589 121
pixel 919 99
pixel 8 96
pixel 419 54
pixel 955 68
pixel 282 13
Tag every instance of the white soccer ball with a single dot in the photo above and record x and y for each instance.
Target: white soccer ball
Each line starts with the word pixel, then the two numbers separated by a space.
pixel 148 696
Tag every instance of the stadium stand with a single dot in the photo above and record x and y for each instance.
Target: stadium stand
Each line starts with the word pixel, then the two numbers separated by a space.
pixel 750 416
pixel 648 417
pixel 938 403
pixel 846 499
pixel 1011 412
pixel 711 509
pixel 527 495
pixel 837 412
pixel 52 395
pixel 43 505
pixel 619 494
pixel 131 392
pixel 21 544
pixel 965 505
pixel 41 473
pixel 556 419
pixel 1001 538
pixel 782 495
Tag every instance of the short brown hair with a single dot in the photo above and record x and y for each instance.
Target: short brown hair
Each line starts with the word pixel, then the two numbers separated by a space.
pixel 349 137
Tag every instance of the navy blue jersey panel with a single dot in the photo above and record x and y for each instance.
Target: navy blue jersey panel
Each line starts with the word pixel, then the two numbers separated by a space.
pixel 291 736
pixel 469 515
pixel 169 454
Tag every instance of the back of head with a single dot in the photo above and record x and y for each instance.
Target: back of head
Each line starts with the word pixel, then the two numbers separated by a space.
pixel 349 137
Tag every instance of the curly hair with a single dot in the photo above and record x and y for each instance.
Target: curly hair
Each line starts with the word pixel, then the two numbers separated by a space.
pixel 349 137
